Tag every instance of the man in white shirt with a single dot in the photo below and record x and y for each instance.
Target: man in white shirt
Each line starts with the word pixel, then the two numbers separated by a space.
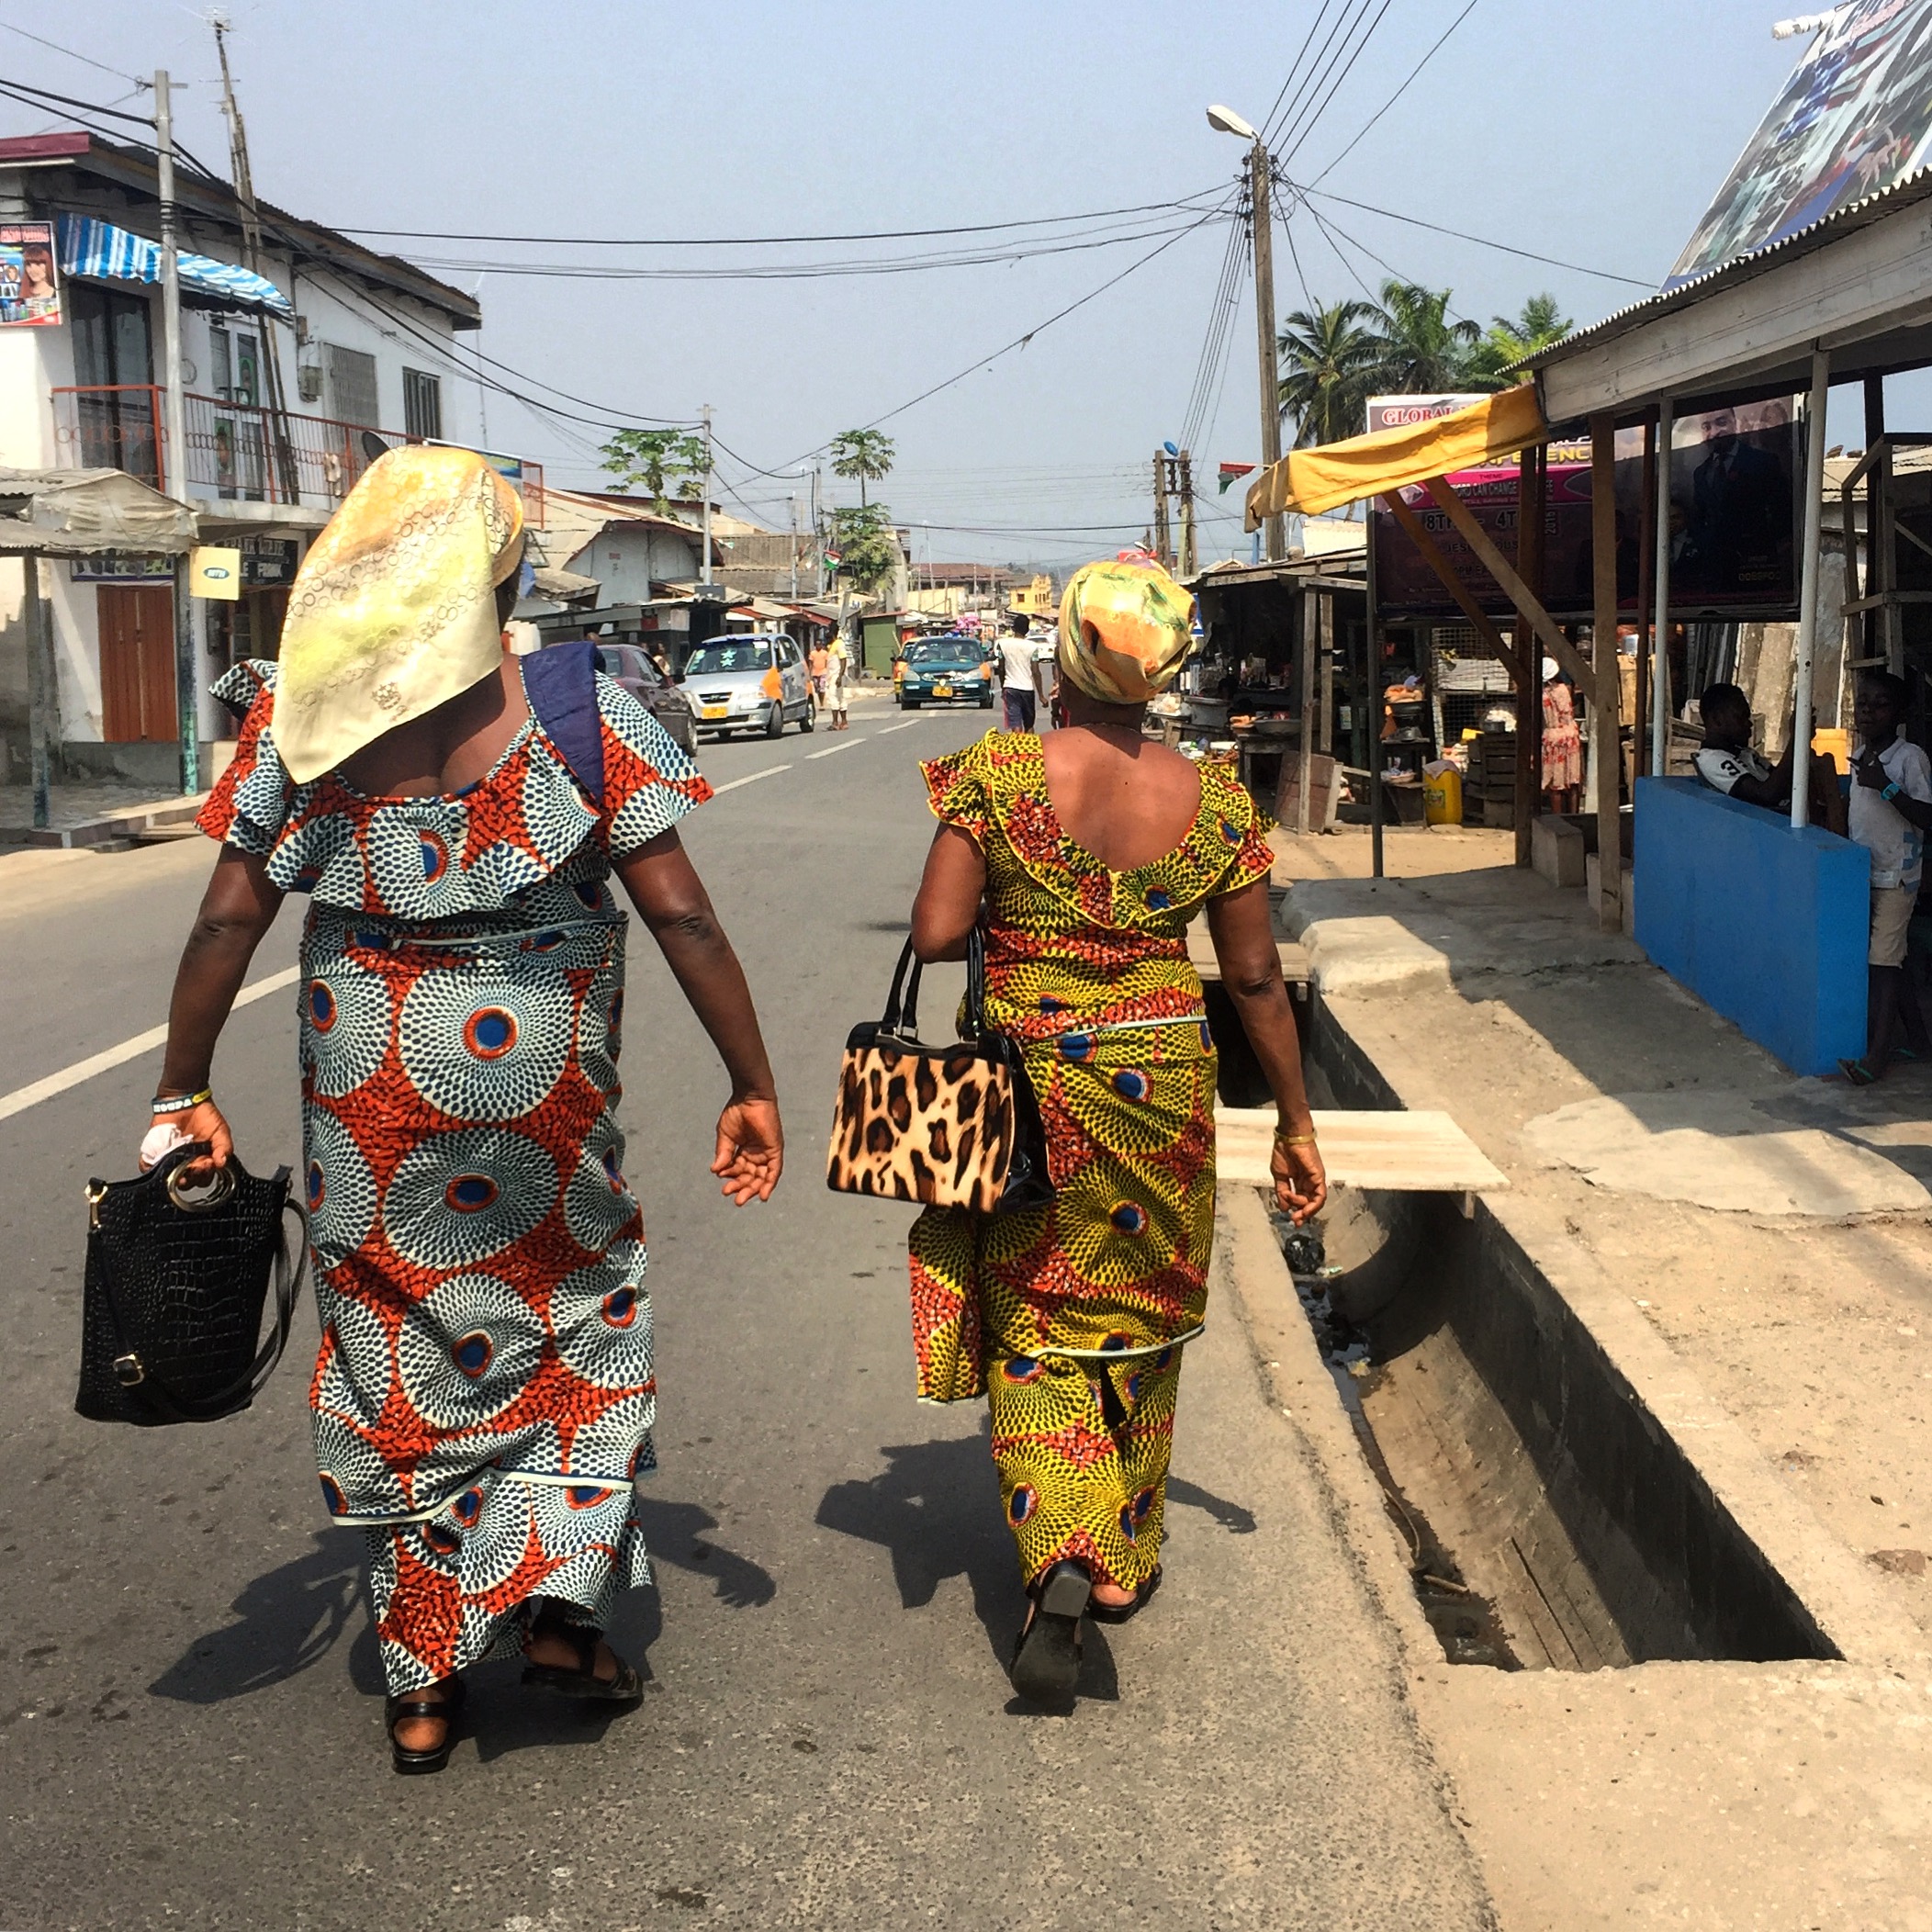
pixel 1891 813
pixel 1728 764
pixel 1016 661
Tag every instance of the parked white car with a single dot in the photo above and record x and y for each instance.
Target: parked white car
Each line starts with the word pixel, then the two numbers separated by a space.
pixel 755 680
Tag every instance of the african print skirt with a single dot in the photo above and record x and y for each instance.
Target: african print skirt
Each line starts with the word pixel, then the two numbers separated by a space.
pixel 484 1394
pixel 1072 1317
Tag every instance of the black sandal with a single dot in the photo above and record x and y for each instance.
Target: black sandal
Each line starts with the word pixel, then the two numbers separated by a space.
pixel 1120 1612
pixel 625 1688
pixel 1046 1655
pixel 413 1704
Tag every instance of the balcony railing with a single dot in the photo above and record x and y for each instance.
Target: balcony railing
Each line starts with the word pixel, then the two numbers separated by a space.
pixel 237 451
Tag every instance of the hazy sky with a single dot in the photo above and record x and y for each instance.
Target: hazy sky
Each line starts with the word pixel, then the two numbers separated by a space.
pixel 1594 131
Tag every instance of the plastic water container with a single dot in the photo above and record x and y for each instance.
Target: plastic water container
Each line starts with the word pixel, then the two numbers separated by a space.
pixel 1442 795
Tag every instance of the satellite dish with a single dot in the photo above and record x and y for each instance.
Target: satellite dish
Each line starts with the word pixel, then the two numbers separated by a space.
pixel 373 446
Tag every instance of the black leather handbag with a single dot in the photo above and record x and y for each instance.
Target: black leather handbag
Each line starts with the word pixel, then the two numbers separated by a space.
pixel 952 1126
pixel 177 1276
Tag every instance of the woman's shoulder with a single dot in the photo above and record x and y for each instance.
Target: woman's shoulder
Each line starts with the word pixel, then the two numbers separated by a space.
pixel 245 684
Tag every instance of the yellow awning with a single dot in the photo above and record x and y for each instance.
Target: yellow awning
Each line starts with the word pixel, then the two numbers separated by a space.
pixel 1312 480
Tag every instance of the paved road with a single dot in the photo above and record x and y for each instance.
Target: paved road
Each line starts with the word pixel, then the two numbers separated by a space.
pixel 190 1733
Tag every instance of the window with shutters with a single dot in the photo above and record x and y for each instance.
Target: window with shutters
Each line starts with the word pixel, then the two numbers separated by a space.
pixel 422 404
pixel 352 385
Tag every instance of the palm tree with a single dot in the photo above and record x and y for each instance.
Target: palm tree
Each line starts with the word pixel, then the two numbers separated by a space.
pixel 1328 364
pixel 1423 348
pixel 864 453
pixel 1507 342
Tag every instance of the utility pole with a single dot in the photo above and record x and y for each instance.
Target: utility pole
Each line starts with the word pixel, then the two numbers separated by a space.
pixel 244 186
pixel 818 539
pixel 1263 231
pixel 704 565
pixel 187 692
pixel 1162 552
pixel 791 519
pixel 1189 563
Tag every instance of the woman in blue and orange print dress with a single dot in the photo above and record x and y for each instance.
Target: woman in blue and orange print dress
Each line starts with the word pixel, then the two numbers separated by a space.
pixel 485 1391
pixel 1090 852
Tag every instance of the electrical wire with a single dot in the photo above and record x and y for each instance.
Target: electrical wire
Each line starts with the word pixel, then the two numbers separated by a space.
pixel 1307 43
pixel 802 271
pixel 1603 275
pixel 1397 96
pixel 1339 34
pixel 1185 203
pixel 73 54
pixel 67 100
pixel 1306 125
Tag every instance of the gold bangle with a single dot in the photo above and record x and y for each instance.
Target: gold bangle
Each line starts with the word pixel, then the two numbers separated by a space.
pixel 1286 1140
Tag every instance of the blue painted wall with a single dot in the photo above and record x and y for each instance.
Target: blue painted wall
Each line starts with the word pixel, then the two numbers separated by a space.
pixel 1766 924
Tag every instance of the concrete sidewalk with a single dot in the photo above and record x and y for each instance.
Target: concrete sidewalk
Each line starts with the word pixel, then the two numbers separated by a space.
pixel 1753 1250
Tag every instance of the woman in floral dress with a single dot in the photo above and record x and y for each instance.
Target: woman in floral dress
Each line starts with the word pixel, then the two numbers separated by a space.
pixel 484 1394
pixel 1090 852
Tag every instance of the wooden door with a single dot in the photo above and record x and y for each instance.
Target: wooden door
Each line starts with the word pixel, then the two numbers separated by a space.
pixel 137 630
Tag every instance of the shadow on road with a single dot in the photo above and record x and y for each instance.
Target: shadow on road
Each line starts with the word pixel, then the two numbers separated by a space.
pixel 935 1507
pixel 295 1616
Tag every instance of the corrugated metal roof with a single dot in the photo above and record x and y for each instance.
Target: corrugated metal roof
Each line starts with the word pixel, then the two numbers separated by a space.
pixel 1846 221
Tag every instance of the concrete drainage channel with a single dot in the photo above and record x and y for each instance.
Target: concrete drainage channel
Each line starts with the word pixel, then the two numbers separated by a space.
pixel 1552 1520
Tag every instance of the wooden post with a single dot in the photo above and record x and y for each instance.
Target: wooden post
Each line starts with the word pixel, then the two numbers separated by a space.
pixel 1305 749
pixel 1529 688
pixel 1162 552
pixel 40 692
pixel 1646 587
pixel 1326 613
pixel 1607 687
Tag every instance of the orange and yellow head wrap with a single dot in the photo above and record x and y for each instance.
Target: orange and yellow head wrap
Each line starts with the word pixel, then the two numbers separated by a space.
pixel 1124 631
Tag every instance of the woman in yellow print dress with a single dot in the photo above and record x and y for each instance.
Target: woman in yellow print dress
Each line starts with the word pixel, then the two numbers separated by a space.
pixel 1091 851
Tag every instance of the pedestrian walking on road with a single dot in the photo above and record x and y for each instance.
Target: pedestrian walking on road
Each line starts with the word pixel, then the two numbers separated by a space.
pixel 1092 850
pixel 818 663
pixel 839 672
pixel 1016 674
pixel 485 1393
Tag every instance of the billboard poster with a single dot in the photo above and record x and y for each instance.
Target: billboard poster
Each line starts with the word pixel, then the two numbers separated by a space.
pixel 1855 116
pixel 30 284
pixel 1734 535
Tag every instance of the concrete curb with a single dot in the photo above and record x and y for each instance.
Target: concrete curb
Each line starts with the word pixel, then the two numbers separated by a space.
pixel 1847 1606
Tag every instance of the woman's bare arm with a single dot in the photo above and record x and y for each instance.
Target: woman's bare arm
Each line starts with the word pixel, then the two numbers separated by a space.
pixel 238 907
pixel 670 898
pixel 947 907
pixel 1243 939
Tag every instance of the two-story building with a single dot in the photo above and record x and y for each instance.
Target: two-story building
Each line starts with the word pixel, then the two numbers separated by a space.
pixel 300 361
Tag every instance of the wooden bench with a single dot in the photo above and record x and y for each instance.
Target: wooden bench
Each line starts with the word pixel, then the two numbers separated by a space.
pixel 1408 1152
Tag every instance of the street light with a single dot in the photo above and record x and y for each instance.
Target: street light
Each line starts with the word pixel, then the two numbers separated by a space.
pixel 1225 120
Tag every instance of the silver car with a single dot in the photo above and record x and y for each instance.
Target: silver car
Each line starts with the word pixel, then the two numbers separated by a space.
pixel 755 680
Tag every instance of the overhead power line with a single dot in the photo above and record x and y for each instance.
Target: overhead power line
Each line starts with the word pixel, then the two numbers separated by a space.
pixel 73 53
pixel 1398 94
pixel 1507 248
pixel 1307 124
pixel 889 234
pixel 46 96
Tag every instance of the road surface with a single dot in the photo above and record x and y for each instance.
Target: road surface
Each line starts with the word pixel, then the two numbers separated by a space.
pixel 190 1722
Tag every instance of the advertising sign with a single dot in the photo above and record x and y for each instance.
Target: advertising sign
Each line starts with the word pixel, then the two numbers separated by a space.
pixel 121 567
pixel 1733 507
pixel 214 571
pixel 1855 116
pixel 30 284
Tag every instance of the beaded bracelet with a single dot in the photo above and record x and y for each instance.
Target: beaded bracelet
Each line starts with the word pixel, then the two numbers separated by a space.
pixel 181 1102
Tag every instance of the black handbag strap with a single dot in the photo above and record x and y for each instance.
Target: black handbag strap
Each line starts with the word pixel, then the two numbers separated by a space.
pixel 902 1004
pixel 287 1287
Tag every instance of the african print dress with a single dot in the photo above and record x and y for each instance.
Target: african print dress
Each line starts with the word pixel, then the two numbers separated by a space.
pixel 484 1394
pixel 1072 1317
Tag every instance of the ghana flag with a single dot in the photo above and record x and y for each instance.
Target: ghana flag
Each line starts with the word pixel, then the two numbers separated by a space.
pixel 1230 473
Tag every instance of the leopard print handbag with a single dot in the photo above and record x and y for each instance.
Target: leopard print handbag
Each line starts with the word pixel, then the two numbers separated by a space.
pixel 949 1127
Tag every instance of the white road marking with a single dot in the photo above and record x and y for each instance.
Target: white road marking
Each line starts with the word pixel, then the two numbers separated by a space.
pixel 903 725
pixel 831 748
pixel 750 778
pixel 26 1097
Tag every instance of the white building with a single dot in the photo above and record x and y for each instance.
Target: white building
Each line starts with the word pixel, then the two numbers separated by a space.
pixel 292 378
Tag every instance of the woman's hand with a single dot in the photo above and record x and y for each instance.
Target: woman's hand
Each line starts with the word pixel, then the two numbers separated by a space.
pixel 208 1123
pixel 752 1150
pixel 1300 1179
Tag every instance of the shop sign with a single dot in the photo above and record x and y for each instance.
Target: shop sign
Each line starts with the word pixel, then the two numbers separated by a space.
pixel 121 567
pixel 30 284
pixel 1734 525
pixel 214 571
pixel 267 561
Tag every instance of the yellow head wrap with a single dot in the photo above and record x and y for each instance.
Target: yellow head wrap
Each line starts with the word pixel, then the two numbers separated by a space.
pixel 394 609
pixel 1123 631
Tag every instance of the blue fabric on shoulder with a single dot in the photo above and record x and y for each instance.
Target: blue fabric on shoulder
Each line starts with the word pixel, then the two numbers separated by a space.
pixel 560 682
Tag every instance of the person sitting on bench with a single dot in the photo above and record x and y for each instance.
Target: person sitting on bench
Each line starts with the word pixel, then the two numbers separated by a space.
pixel 1728 764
